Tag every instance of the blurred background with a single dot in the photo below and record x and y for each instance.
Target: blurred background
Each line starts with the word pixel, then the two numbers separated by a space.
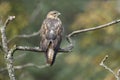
pixel 90 47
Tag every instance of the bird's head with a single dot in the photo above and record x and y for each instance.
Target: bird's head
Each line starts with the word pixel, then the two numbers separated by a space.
pixel 53 14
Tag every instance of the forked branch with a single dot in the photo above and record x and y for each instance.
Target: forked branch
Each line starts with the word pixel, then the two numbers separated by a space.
pixel 117 75
pixel 8 57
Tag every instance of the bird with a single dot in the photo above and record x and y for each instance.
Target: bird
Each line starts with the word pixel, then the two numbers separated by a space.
pixel 51 33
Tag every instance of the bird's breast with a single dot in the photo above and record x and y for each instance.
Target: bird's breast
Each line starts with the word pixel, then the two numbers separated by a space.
pixel 51 35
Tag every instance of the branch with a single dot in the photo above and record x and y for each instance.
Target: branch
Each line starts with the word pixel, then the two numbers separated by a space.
pixel 35 49
pixel 27 48
pixel 10 18
pixel 102 64
pixel 25 36
pixel 26 65
pixel 118 73
pixel 117 76
pixel 7 56
pixel 94 28
pixel 68 37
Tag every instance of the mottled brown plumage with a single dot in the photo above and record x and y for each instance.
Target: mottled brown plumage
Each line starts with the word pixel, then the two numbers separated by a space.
pixel 51 35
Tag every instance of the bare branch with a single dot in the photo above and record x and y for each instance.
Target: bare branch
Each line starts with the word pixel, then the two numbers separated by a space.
pixel 89 29
pixel 26 48
pixel 35 49
pixel 10 18
pixel 25 36
pixel 104 59
pixel 8 57
pixel 117 76
pixel 25 66
pixel 102 64
pixel 29 35
pixel 94 28
pixel 31 65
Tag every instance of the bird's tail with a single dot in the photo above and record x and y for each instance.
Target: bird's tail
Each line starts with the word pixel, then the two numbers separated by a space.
pixel 50 53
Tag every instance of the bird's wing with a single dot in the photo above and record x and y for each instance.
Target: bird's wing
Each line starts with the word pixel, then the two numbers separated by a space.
pixel 58 32
pixel 43 32
pixel 43 29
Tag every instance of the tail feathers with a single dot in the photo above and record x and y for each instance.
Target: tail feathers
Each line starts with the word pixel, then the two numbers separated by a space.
pixel 50 54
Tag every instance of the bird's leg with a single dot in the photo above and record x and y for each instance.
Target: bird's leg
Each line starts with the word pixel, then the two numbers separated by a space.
pixel 70 46
pixel 67 49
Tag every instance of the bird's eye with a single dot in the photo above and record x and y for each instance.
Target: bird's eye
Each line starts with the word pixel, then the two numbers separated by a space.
pixel 54 13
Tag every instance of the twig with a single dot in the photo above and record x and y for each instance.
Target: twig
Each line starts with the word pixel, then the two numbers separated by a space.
pixel 25 36
pixel 29 35
pixel 26 65
pixel 117 75
pixel 7 56
pixel 10 18
pixel 102 64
